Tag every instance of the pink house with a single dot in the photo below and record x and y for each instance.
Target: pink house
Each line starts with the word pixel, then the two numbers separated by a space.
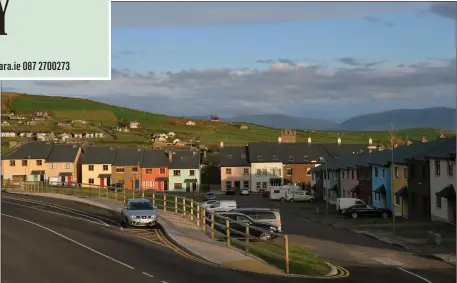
pixel 349 181
pixel 235 168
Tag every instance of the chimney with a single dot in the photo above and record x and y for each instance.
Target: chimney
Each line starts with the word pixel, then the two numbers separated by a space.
pixel 339 140
pixel 279 139
pixel 370 141
pixel 170 155
pixel 221 144
pixel 309 139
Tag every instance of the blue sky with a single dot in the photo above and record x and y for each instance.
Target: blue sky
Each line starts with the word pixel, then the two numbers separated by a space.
pixel 319 60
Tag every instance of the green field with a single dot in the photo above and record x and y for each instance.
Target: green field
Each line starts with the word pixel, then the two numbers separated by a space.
pixel 63 108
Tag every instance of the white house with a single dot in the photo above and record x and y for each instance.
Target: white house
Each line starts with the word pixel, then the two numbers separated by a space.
pixel 123 129
pixel 26 134
pixel 65 136
pixel 171 134
pixel 265 174
pixel 78 135
pixel 8 134
pixel 99 135
pixel 190 123
pixel 89 135
pixel 442 188
pixel 134 125
pixel 6 124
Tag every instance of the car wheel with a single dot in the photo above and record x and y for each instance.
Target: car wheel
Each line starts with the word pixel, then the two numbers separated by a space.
pixel 265 236
pixel 384 215
pixel 292 200
pixel 311 200
pixel 282 199
pixel 354 215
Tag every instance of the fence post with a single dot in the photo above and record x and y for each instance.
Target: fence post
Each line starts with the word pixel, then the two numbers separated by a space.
pixel 227 231
pixel 184 207
pixel 246 248
pixel 203 220
pixel 286 253
pixel 191 210
pixel 99 193
pixel 198 216
pixel 90 192
pixel 115 195
pixel 142 193
pixel 164 202
pixel 176 204
pixel 212 225
pixel 106 192
pixel 133 193
pixel 123 191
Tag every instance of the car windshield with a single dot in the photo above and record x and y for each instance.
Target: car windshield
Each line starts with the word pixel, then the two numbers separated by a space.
pixel 210 194
pixel 136 205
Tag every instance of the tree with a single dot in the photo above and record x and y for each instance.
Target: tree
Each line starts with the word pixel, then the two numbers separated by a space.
pixel 2 17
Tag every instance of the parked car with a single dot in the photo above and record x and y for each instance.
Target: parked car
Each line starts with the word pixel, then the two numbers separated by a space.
pixel 222 206
pixel 265 193
pixel 344 203
pixel 238 222
pixel 116 187
pixel 294 196
pixel 208 203
pixel 268 216
pixel 210 196
pixel 230 191
pixel 139 212
pixel 279 192
pixel 244 192
pixel 363 210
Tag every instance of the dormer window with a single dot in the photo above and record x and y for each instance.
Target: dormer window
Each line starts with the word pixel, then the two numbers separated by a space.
pixel 275 157
pixel 229 156
pixel 291 158
pixel 243 156
pixel 259 158
pixel 305 158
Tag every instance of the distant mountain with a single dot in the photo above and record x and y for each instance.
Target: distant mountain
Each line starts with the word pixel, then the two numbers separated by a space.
pixel 436 117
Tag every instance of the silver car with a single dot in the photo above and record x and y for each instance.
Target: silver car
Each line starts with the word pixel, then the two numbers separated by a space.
pixel 139 212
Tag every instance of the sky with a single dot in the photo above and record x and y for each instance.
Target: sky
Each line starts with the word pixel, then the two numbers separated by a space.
pixel 309 59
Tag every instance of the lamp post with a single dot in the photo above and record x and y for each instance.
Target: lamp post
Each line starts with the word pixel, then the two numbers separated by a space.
pixel 326 189
pixel 392 172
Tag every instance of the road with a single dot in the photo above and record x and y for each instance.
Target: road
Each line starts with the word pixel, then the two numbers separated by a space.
pixel 42 243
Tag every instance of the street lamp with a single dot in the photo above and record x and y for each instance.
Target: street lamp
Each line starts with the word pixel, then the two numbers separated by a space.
pixel 392 172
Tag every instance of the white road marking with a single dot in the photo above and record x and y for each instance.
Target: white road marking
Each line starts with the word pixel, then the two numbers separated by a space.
pixel 147 274
pixel 71 216
pixel 387 261
pixel 414 274
pixel 71 240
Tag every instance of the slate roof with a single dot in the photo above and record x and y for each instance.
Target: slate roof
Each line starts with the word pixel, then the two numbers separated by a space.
pixel 32 150
pixel 185 160
pixel 99 155
pixel 234 156
pixel 290 153
pixel 63 153
pixel 155 158
pixel 128 156
pixel 440 148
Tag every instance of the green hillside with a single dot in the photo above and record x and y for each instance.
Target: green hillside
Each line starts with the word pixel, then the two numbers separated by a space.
pixel 105 116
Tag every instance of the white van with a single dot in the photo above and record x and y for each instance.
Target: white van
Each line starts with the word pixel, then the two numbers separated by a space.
pixel 344 203
pixel 222 206
pixel 299 195
pixel 279 192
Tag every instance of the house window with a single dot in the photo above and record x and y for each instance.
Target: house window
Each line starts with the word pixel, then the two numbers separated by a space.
pixel 176 173
pixel 376 196
pixel 264 185
pixel 258 172
pixel 450 169
pixel 135 169
pixel 291 158
pixel 229 156
pixel 397 200
pixel 342 174
pixel 308 172
pixel 91 167
pixel 243 156
pixel 289 171
pixel 105 167
pixel 12 162
pixel 383 173
pixel 405 173
pixel 145 184
pixel 177 186
pixel 273 171
pixel 438 202
pixel 228 171
pixel 257 185
pixel 148 170
pixel 119 169
pixel 352 174
pixel 162 171
pixel 245 184
pixel 275 157
pixel 396 173
pixel 376 174
pixel 228 184
pixel 437 168
pixel 39 162
pixel 192 172
pixel 264 172
pixel 91 181
pixel 52 165
pixel 24 162
pixel 67 166
pixel 245 171
pixel 259 158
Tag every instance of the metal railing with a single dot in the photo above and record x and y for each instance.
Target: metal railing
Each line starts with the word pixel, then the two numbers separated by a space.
pixel 266 244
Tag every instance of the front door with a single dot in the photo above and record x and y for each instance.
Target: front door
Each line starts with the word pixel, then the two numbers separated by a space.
pixel 62 178
pixel 42 178
pixel 165 186
pixel 137 184
pixel 237 185
pixel 194 187
pixel 187 187
pixel 108 182
pixel 35 178
pixel 102 182
pixel 69 179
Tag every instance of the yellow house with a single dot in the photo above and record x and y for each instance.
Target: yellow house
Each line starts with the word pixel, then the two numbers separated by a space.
pixel 400 189
pixel 26 162
pixel 96 166
pixel 63 162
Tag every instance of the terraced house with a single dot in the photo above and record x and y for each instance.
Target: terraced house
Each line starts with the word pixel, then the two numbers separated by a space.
pixel 64 162
pixel 154 170
pixel 184 171
pixel 96 166
pixel 126 165
pixel 235 168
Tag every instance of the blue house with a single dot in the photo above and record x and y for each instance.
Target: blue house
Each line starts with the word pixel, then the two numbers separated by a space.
pixel 381 186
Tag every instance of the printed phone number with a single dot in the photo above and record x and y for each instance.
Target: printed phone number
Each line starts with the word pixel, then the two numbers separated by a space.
pixel 36 66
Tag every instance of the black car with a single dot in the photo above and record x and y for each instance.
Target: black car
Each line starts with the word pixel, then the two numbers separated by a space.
pixel 238 222
pixel 116 187
pixel 230 191
pixel 363 210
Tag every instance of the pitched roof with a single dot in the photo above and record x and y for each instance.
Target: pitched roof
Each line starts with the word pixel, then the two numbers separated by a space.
pixel 155 158
pixel 233 156
pixel 128 156
pixel 437 148
pixel 185 160
pixel 63 153
pixel 98 155
pixel 31 150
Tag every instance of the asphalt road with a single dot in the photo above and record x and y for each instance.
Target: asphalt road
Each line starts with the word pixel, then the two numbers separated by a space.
pixel 85 250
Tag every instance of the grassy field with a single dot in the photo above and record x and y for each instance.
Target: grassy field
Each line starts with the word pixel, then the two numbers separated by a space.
pixel 63 108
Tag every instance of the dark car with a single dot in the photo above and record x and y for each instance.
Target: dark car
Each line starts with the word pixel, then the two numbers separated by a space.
pixel 210 196
pixel 116 187
pixel 238 222
pixel 230 191
pixel 363 210
pixel 265 193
